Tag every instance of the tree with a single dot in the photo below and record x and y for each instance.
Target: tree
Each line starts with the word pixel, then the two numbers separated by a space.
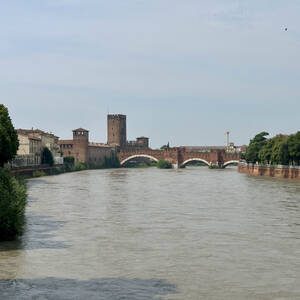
pixel 294 147
pixel 167 146
pixel 12 206
pixel 280 152
pixel 256 144
pixel 47 157
pixel 9 142
pixel 265 153
pixel 261 137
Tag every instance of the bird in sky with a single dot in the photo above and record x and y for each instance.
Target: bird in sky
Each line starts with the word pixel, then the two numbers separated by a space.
pixel 286 29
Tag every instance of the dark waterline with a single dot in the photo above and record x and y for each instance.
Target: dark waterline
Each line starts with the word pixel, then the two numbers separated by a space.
pixel 156 234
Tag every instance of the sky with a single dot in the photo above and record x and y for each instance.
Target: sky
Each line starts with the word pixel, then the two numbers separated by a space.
pixel 183 71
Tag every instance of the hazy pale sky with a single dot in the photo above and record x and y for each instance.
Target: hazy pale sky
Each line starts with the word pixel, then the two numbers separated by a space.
pixel 183 71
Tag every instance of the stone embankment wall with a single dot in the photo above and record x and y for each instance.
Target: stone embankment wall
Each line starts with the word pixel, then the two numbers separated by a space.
pixel 288 172
pixel 29 171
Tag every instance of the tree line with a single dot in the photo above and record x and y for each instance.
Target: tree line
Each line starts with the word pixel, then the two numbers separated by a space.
pixel 278 150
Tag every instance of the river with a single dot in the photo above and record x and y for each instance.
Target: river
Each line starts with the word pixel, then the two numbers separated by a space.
pixel 145 234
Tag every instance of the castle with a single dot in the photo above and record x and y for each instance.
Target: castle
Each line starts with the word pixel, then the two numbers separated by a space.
pixel 93 154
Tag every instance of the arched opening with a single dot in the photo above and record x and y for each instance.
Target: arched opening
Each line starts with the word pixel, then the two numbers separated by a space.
pixel 194 162
pixel 232 163
pixel 139 160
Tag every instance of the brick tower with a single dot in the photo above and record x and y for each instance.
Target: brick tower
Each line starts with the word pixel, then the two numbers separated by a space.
pixel 116 130
pixel 80 144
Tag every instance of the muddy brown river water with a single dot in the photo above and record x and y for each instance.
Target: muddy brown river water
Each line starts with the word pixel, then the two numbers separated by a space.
pixel 143 234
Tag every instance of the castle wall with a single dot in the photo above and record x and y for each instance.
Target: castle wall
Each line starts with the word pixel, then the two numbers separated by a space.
pixel 96 155
pixel 66 148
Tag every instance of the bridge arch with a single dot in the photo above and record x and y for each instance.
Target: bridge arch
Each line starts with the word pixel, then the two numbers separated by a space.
pixel 124 161
pixel 195 159
pixel 230 162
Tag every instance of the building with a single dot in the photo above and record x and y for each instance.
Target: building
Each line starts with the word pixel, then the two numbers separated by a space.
pixel 117 134
pixel 231 148
pixel 92 154
pixel 140 143
pixel 48 140
pixel 116 130
pixel 29 152
pixel 31 144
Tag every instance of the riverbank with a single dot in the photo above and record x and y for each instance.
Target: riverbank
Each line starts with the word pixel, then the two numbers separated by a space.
pixel 277 171
pixel 33 171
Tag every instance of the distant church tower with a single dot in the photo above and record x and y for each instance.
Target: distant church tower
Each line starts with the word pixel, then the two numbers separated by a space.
pixel 116 130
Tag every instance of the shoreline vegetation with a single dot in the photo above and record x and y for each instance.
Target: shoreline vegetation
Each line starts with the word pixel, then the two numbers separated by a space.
pixel 161 164
pixel 13 199
pixel 13 195
pixel 281 149
pixel 70 166
pixel 278 156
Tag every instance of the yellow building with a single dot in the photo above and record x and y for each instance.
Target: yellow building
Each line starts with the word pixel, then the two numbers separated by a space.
pixel 31 144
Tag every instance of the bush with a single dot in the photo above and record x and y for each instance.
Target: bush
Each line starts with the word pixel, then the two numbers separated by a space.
pixel 79 166
pixel 58 170
pixel 12 206
pixel 163 164
pixel 137 165
pixel 213 167
pixel 38 174
pixel 69 160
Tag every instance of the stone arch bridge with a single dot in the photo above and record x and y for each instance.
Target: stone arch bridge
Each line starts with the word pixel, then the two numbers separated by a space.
pixel 180 157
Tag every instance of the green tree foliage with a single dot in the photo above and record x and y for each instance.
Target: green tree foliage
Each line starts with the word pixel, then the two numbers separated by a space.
pixel 265 153
pixel 294 148
pixel 69 160
pixel 261 137
pixel 164 164
pixel 47 157
pixel 255 146
pixel 12 206
pixel 167 146
pixel 279 150
pixel 78 166
pixel 9 142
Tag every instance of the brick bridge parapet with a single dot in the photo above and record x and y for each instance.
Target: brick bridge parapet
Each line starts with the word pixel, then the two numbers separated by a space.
pixel 179 157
